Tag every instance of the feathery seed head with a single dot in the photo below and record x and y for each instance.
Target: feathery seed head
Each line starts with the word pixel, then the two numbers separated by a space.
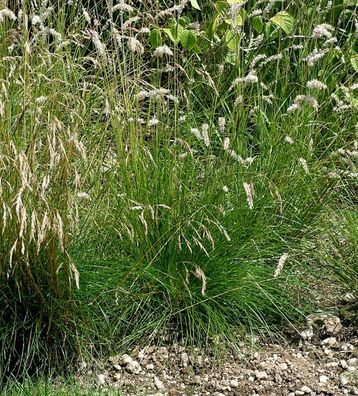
pixel 163 50
pixel 281 263
pixel 316 84
pixel 249 190
pixel 135 46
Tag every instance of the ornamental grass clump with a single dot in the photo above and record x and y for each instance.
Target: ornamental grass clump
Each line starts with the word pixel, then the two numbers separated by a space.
pixel 41 162
pixel 221 150
pixel 38 180
pixel 36 273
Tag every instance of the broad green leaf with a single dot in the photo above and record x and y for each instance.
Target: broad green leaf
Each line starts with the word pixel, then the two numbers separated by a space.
pixel 155 38
pixel 194 4
pixel 354 102
pixel 184 21
pixel 258 24
pixel 284 20
pixel 269 29
pixel 354 62
pixel 172 35
pixel 231 40
pixel 187 38
pixel 221 6
pixel 213 27
pixel 172 23
pixel 239 19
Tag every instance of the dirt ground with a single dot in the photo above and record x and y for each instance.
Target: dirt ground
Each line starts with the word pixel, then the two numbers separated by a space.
pixel 321 360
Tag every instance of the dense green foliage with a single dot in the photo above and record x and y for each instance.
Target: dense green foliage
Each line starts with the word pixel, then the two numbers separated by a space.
pixel 162 169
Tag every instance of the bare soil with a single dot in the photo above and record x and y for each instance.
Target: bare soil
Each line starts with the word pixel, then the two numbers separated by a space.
pixel 321 360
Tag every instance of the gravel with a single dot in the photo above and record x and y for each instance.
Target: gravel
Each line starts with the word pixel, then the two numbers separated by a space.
pixel 326 364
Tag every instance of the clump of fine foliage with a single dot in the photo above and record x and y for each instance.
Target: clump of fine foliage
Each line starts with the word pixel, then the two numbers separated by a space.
pixel 162 165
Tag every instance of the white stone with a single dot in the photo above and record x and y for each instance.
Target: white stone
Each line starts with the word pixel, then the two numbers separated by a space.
pixel 306 389
pixel 263 365
pixel 134 367
pixel 260 375
pixel 149 367
pixel 234 384
pixel 83 365
pixel 333 325
pixel 353 362
pixel 344 379
pixel 184 359
pixel 332 364
pixel 142 353
pixel 323 379
pixel 283 366
pixel 347 347
pixel 158 383
pixel 307 334
pixel 328 352
pixel 117 376
pixel 330 341
pixel 101 379
pixel 126 359
pixel 117 367
pixel 344 364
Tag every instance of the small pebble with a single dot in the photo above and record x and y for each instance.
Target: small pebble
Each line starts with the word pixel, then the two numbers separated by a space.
pixel 332 364
pixel 126 359
pixel 323 379
pixel 158 383
pixel 261 375
pixel 134 367
pixel 353 362
pixel 306 389
pixel 333 325
pixel 234 384
pixel 344 364
pixel 344 379
pixel 283 366
pixel 117 376
pixel 101 379
pixel 83 365
pixel 184 359
pixel 330 342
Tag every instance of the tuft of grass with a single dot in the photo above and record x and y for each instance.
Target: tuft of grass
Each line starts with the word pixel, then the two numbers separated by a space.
pixel 48 387
pixel 338 253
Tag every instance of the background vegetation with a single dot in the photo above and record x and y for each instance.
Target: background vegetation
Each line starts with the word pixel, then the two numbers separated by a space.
pixel 168 170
